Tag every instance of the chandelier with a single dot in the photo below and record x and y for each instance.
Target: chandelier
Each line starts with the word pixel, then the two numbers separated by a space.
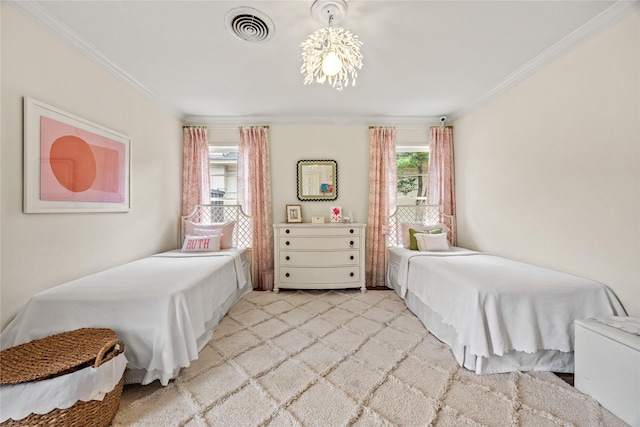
pixel 331 54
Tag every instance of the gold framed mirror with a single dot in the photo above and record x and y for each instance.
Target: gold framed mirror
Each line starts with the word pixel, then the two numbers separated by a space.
pixel 317 180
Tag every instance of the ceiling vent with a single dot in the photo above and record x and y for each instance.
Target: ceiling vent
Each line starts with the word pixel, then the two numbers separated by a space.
pixel 249 24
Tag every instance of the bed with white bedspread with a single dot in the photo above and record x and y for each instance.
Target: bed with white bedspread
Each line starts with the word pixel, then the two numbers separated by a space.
pixel 496 314
pixel 164 307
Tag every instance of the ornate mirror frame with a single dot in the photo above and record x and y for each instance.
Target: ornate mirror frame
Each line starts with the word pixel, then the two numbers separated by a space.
pixel 317 180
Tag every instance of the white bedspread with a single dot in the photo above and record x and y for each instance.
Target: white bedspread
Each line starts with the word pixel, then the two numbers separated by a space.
pixel 161 307
pixel 238 261
pixel 497 305
pixel 403 256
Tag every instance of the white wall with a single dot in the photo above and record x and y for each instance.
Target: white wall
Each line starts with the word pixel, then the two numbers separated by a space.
pixel 42 250
pixel 549 172
pixel 348 145
pixel 1 121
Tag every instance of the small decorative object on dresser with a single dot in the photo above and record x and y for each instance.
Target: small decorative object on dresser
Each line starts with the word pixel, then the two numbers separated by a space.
pixel 319 256
pixel 336 214
pixel 294 213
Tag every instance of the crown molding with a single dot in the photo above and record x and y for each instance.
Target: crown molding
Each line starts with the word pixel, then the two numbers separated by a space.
pixel 605 19
pixel 49 21
pixel 344 120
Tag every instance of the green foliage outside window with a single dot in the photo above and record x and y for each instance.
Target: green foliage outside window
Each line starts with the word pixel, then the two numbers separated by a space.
pixel 411 172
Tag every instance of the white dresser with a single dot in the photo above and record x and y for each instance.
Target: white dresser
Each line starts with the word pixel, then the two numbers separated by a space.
pixel 319 256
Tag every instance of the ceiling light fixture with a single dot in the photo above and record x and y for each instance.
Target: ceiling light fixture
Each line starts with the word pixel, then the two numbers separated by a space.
pixel 331 54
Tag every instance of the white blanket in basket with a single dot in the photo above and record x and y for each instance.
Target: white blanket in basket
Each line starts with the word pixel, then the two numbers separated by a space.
pixel 18 401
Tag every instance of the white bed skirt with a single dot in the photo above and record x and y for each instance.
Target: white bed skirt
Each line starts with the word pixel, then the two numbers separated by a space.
pixel 147 376
pixel 545 360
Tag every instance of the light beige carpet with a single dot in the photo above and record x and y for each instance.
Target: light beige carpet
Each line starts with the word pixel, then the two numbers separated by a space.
pixel 338 358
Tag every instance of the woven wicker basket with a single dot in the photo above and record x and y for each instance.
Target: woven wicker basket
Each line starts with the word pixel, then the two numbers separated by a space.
pixel 58 355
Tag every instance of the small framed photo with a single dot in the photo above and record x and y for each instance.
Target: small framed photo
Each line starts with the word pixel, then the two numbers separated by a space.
pixel 336 214
pixel 294 213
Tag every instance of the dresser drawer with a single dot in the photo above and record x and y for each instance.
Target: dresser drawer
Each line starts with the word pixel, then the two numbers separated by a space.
pixel 319 256
pixel 319 243
pixel 325 230
pixel 320 259
pixel 319 275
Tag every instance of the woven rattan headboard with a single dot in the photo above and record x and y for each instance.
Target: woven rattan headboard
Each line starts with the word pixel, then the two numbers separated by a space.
pixel 423 214
pixel 207 214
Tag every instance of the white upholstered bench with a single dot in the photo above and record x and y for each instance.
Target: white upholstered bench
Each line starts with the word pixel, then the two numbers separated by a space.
pixel 607 364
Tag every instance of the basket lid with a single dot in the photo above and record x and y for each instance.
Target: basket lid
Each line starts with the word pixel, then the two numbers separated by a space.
pixel 53 356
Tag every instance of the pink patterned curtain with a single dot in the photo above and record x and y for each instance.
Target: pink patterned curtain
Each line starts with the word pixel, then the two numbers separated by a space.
pixel 382 201
pixel 195 168
pixel 254 194
pixel 441 183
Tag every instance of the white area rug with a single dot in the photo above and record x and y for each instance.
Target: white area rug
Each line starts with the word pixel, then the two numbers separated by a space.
pixel 338 358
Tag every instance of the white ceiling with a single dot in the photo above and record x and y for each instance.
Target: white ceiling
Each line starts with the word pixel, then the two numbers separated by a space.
pixel 422 59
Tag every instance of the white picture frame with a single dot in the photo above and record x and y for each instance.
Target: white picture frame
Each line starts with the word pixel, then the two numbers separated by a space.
pixel 72 164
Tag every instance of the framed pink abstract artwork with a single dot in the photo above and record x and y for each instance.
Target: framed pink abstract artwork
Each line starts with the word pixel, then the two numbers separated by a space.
pixel 71 164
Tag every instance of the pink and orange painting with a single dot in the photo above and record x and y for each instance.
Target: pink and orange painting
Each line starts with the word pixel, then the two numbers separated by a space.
pixel 72 164
pixel 76 165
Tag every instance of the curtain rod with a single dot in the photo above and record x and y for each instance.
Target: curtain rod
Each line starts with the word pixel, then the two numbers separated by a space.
pixel 400 127
pixel 221 127
pixel 370 127
pixel 411 127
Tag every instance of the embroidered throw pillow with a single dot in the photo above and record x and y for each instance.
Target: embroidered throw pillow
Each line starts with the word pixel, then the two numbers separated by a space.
pixel 432 242
pixel 201 244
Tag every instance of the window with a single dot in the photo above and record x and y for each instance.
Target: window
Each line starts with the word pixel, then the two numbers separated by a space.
pixel 412 163
pixel 223 171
